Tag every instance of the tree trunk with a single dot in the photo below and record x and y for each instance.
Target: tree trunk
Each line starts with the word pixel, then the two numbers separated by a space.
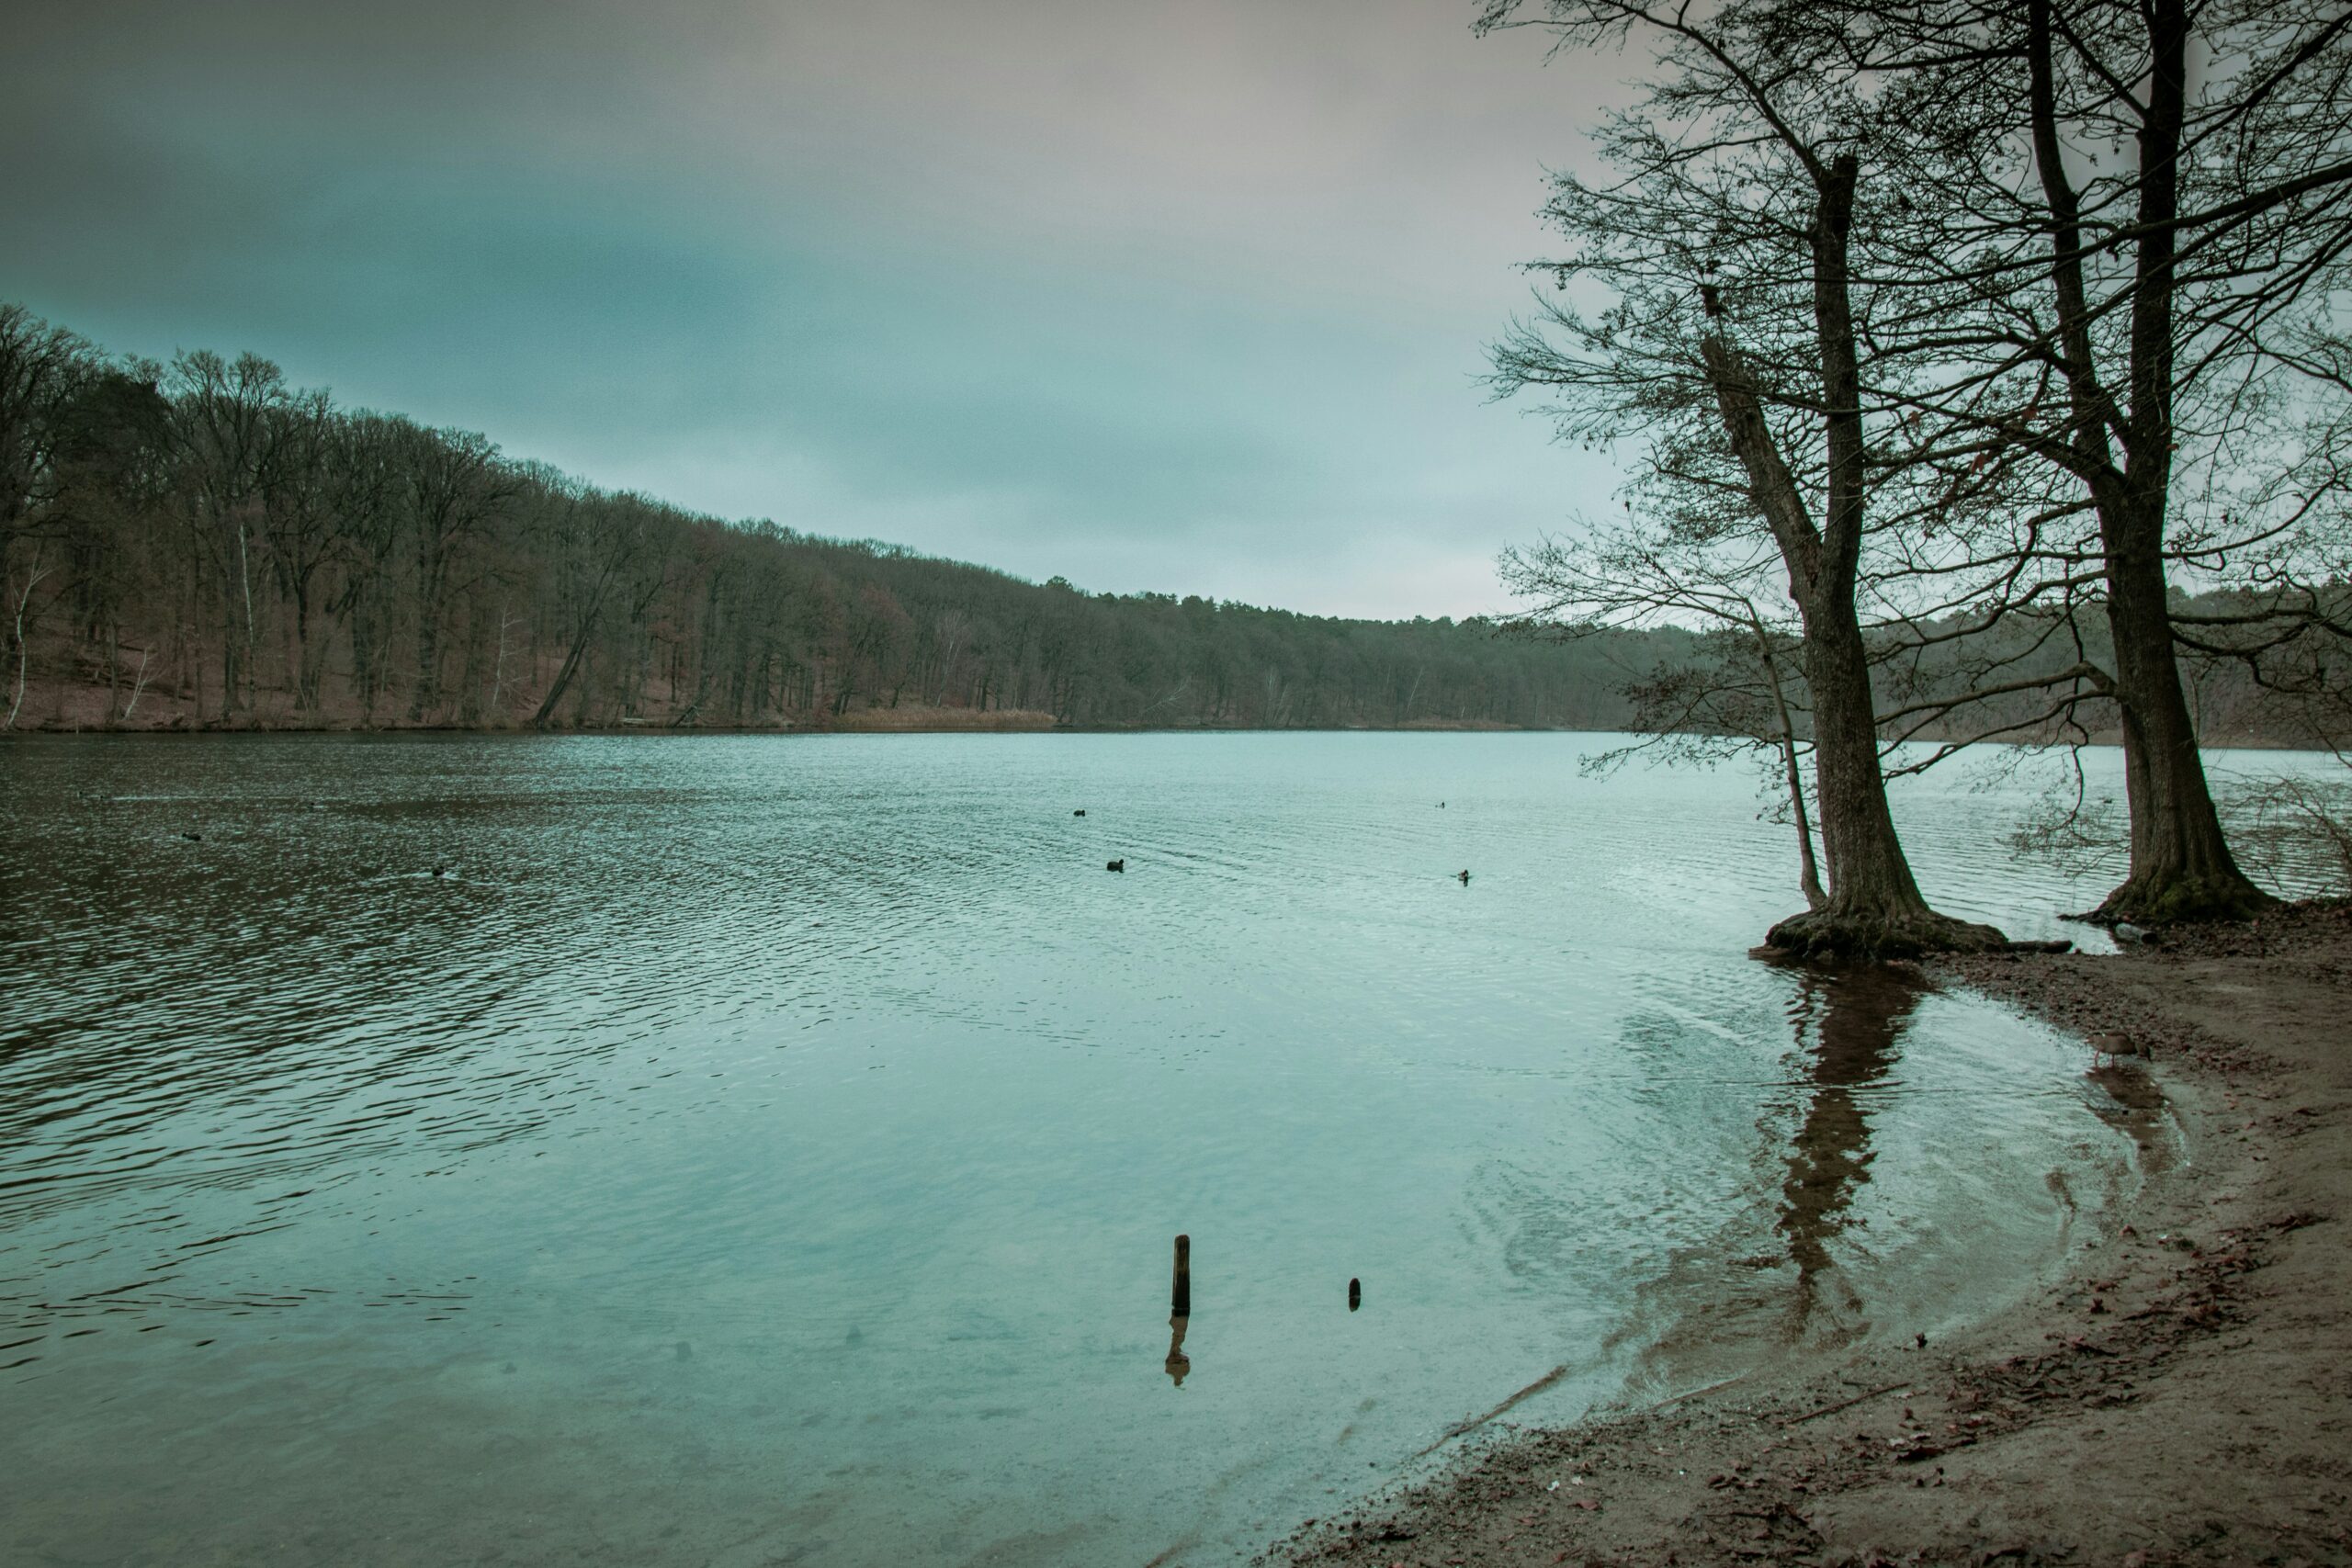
pixel 570 662
pixel 426 697
pixel 309 654
pixel 2181 865
pixel 1808 870
pixel 432 571
pixel 1874 908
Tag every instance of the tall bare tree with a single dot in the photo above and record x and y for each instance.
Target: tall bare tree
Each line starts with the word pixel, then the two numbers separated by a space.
pixel 228 426
pixel 1730 344
pixel 456 486
pixel 2157 198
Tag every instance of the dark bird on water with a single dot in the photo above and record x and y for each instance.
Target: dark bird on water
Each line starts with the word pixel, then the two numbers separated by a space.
pixel 1115 865
pixel 193 838
pixel 439 869
pixel 1465 879
pixel 1079 812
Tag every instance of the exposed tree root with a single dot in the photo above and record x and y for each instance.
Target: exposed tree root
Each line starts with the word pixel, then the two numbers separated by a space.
pixel 2154 900
pixel 1829 933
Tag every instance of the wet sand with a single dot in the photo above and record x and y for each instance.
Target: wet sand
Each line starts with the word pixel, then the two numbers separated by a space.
pixel 2184 1394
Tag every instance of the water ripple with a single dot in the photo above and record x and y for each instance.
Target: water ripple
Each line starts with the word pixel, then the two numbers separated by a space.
pixel 729 1094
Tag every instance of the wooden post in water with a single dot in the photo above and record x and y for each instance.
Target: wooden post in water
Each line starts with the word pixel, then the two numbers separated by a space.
pixel 1355 1294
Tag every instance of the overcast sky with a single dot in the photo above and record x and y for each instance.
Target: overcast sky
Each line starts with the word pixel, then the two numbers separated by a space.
pixel 1183 295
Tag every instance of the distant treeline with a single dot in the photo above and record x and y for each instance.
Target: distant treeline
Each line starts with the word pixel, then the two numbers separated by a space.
pixel 199 543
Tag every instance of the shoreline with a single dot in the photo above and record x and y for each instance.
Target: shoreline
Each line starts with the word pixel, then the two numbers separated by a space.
pixel 882 722
pixel 991 722
pixel 2181 1392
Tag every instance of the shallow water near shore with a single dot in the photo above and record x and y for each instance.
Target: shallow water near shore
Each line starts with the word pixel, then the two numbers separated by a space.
pixel 756 1149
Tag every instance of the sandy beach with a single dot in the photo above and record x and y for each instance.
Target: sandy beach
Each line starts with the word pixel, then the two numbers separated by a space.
pixel 2183 1394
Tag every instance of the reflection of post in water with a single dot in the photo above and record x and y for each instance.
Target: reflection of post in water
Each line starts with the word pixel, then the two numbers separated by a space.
pixel 1849 1019
pixel 1180 1312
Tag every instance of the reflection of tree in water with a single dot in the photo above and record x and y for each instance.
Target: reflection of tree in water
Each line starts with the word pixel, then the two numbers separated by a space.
pixel 1719 1305
pixel 1848 1020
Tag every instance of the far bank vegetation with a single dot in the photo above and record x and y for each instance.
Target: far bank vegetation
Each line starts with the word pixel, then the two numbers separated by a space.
pixel 200 544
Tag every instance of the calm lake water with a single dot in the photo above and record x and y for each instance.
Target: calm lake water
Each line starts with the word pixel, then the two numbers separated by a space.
pixel 764 1150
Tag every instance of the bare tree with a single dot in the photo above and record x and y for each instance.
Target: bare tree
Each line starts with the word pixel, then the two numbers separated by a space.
pixel 42 368
pixel 33 574
pixel 455 486
pixel 608 535
pixel 226 425
pixel 40 365
pixel 1726 243
pixel 2113 286
pixel 2168 271
pixel 304 528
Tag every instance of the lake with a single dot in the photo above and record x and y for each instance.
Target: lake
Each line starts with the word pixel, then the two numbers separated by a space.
pixel 768 1149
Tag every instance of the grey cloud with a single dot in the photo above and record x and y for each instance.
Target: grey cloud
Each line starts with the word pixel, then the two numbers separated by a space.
pixel 1186 297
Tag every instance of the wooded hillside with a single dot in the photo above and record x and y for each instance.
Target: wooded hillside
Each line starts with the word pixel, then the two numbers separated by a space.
pixel 200 544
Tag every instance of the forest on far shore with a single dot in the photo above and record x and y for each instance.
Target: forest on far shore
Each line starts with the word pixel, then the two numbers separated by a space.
pixel 201 545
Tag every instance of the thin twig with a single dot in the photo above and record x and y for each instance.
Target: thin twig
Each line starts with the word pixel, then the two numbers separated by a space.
pixel 1845 1403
